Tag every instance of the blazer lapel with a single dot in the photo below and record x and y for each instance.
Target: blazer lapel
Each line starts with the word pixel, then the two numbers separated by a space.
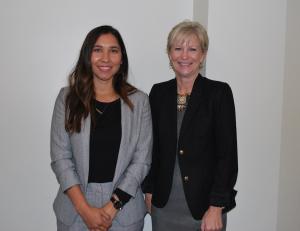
pixel 196 99
pixel 85 133
pixel 126 132
pixel 170 110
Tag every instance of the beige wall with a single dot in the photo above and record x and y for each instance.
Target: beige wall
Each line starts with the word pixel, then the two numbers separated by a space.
pixel 289 179
pixel 247 50
pixel 39 44
pixel 200 11
pixel 254 47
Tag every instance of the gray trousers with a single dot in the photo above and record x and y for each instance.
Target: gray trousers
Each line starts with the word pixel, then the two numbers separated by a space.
pixel 97 195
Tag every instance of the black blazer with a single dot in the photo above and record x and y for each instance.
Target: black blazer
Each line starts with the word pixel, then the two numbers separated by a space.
pixel 207 146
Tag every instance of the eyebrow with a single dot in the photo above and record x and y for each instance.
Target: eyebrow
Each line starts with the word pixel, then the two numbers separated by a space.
pixel 108 46
pixel 189 46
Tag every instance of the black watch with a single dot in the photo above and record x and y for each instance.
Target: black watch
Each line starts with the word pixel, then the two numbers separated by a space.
pixel 118 205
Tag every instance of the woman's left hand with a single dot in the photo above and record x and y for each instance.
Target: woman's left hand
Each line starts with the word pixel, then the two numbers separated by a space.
pixel 148 201
pixel 110 209
pixel 212 219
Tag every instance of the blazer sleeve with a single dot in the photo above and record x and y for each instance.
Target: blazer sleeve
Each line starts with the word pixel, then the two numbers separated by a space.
pixel 141 160
pixel 223 193
pixel 60 147
pixel 147 185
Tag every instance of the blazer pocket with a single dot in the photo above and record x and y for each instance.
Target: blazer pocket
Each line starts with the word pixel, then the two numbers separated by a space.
pixel 64 209
pixel 133 211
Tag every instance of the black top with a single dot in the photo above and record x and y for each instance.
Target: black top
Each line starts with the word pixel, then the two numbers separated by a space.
pixel 105 139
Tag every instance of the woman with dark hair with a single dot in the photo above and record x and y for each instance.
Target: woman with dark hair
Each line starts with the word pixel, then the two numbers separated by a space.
pixel 194 165
pixel 101 140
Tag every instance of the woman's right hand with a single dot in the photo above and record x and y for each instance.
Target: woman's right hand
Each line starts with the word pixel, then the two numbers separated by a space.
pixel 96 218
pixel 148 201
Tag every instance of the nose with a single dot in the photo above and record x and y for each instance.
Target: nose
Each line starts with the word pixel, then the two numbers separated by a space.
pixel 184 53
pixel 105 56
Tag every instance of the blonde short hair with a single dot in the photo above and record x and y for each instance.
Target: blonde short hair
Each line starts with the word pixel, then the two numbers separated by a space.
pixel 184 30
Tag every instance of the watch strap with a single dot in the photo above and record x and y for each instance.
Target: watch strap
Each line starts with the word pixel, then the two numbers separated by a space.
pixel 118 205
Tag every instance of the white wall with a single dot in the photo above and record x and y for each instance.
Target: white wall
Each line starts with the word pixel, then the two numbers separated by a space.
pixel 289 185
pixel 39 43
pixel 247 48
pixel 201 12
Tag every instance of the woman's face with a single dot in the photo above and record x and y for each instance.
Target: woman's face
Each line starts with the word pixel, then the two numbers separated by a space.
pixel 106 58
pixel 186 57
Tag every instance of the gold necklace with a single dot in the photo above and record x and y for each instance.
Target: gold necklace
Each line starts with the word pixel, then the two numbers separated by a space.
pixel 182 101
pixel 101 112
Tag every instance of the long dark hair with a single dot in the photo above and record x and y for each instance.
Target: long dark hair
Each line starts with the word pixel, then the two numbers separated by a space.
pixel 79 100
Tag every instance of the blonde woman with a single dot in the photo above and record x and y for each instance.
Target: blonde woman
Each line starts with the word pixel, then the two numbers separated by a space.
pixel 194 166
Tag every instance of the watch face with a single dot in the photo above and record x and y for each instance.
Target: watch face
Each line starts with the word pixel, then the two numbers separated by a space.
pixel 117 204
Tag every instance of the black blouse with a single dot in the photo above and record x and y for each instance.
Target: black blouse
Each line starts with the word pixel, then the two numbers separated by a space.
pixel 105 139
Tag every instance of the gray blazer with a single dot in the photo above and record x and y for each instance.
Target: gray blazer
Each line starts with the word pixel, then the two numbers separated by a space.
pixel 70 157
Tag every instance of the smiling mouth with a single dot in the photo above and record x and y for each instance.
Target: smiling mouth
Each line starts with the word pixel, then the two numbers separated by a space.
pixel 104 68
pixel 184 64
